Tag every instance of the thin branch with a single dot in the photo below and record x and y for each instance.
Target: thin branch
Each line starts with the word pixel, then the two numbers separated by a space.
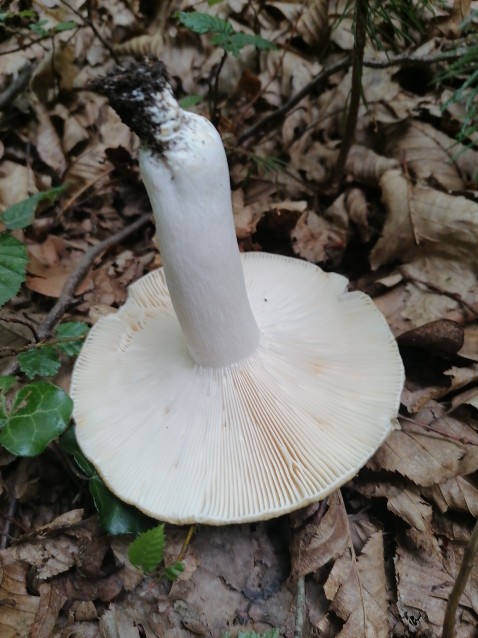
pixel 89 23
pixel 55 315
pixel 466 566
pixel 299 607
pixel 12 508
pixel 79 273
pixel 21 322
pixel 360 36
pixel 16 86
pixel 215 93
pixel 266 122
pixel 262 126
pixel 434 288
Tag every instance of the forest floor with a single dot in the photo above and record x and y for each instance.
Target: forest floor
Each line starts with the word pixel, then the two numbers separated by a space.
pixel 399 219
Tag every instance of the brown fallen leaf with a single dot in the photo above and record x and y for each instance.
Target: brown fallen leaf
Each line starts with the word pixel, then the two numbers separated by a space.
pixel 423 586
pixel 316 239
pixel 321 540
pixel 18 608
pixel 459 494
pixel 428 153
pixel 51 602
pixel 430 457
pixel 357 591
pixel 407 502
pixel 115 623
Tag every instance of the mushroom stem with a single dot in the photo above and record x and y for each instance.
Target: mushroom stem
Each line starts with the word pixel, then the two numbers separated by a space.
pixel 184 168
pixel 189 190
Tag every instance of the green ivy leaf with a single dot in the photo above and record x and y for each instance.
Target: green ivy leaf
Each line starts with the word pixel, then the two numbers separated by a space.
pixel 22 213
pixel 69 443
pixel 172 571
pixel 6 382
pixel 13 265
pixel 147 551
pixel 115 516
pixel 70 330
pixel 42 362
pixel 40 412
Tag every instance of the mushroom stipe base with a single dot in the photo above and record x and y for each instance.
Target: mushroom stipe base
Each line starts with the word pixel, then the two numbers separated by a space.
pixel 259 438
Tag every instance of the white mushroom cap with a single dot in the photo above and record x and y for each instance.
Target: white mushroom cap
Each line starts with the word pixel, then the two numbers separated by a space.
pixel 281 428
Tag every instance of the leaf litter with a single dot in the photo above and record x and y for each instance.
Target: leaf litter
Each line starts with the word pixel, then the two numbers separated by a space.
pixel 381 558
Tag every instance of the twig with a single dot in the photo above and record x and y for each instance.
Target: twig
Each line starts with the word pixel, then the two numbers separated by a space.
pixel 266 122
pixel 360 36
pixel 187 540
pixel 79 273
pixel 215 93
pixel 299 607
pixel 49 322
pixel 12 506
pixel 21 322
pixel 16 86
pixel 411 60
pixel 466 566
pixel 434 288
pixel 260 127
pixel 89 23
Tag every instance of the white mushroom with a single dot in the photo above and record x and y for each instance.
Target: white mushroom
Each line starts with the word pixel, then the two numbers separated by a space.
pixel 228 388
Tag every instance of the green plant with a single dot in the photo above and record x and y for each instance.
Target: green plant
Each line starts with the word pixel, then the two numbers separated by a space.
pixel 222 32
pixel 33 414
pixel 223 35
pixel 465 71
pixel 147 553
pixel 115 516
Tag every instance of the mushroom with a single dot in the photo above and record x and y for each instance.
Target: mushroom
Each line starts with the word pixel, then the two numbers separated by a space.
pixel 229 387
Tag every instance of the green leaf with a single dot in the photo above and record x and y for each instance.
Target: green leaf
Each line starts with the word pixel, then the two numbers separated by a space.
pixel 42 362
pixel 189 100
pixel 65 26
pixel 22 213
pixel 69 443
pixel 147 551
pixel 239 40
pixel 40 412
pixel 204 23
pixel 172 571
pixel 115 516
pixel 6 382
pixel 38 28
pixel 71 330
pixel 13 265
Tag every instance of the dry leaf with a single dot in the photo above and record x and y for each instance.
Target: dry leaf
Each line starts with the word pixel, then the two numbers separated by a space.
pixel 407 503
pixel 357 591
pixel 429 457
pixel 321 539
pixel 115 623
pixel 18 608
pixel 459 494
pixel 16 183
pixel 51 602
pixel 366 166
pixel 427 152
pixel 316 239
pixel 313 24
